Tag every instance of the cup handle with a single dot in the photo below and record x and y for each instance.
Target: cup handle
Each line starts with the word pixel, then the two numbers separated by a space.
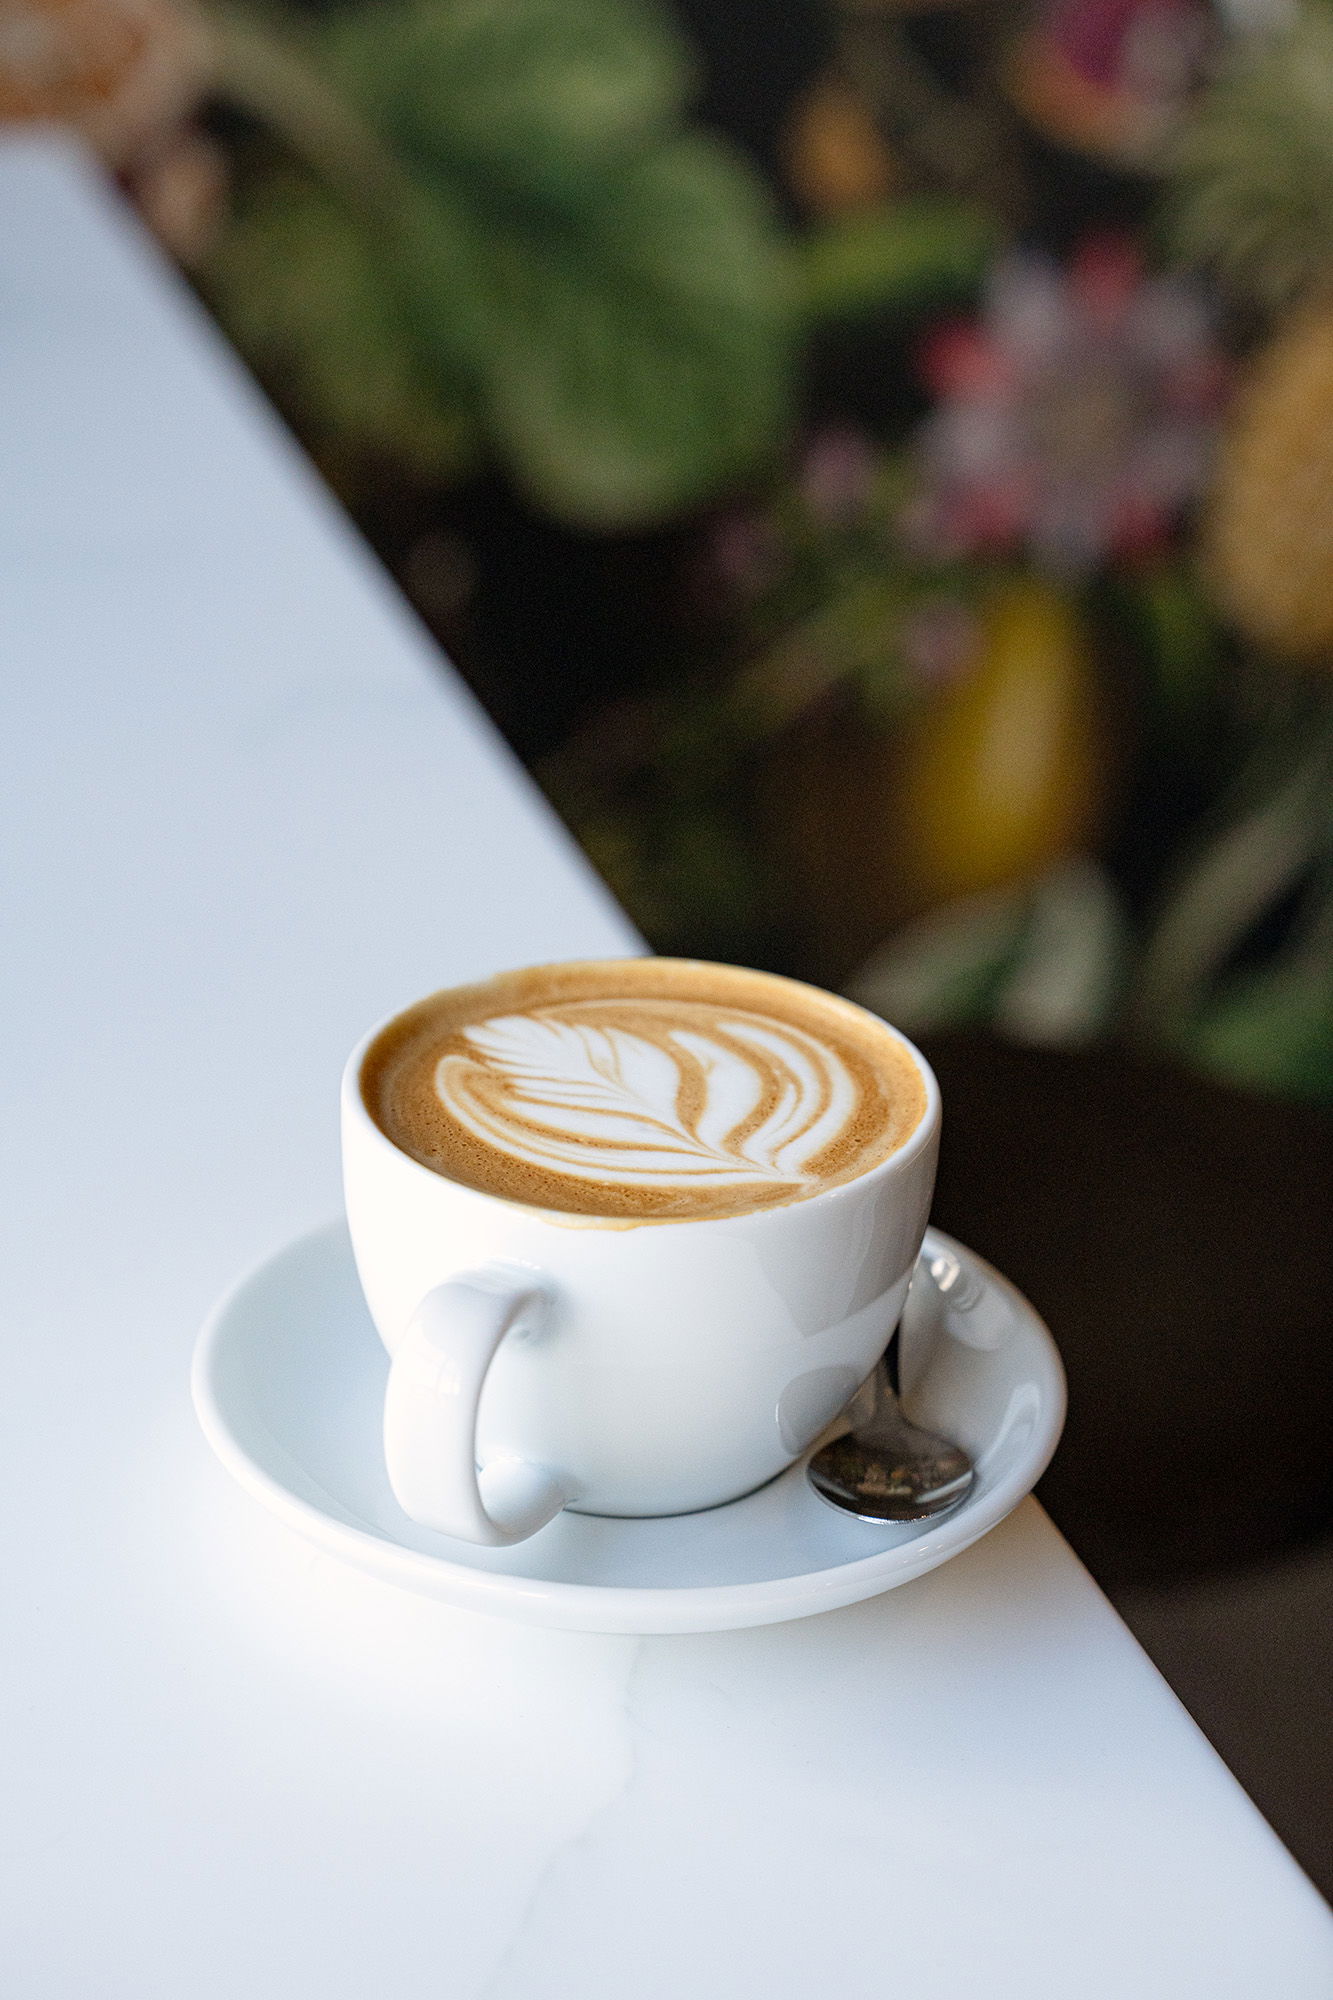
pixel 430 1414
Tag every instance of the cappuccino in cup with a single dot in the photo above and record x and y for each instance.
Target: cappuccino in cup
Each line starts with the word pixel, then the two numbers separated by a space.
pixel 651 1089
pixel 632 1231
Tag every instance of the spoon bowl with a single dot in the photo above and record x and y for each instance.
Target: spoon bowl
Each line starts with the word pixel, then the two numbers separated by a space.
pixel 887 1468
pixel 890 1469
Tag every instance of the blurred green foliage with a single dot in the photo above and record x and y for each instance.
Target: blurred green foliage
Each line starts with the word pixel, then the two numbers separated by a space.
pixel 302 292
pixel 921 253
pixel 493 232
pixel 1251 191
pixel 472 237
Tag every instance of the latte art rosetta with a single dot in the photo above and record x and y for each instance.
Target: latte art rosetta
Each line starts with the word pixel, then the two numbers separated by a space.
pixel 710 1098
pixel 643 1090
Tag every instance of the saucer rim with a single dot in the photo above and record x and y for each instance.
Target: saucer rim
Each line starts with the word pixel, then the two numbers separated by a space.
pixel 625 1608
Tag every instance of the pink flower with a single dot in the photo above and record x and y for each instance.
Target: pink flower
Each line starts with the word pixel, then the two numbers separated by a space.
pixel 1111 77
pixel 1075 419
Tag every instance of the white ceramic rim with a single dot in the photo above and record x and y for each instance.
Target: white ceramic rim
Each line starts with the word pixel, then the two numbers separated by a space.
pixel 623 1608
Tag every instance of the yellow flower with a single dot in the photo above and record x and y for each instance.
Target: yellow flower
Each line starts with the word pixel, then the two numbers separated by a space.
pixel 1270 533
pixel 1002 773
pixel 834 156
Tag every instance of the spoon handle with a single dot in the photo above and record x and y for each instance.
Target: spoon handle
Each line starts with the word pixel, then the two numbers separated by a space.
pixel 887 1468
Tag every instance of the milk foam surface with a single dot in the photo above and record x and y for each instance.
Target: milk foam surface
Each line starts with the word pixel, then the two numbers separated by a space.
pixel 675 1096
pixel 723 1098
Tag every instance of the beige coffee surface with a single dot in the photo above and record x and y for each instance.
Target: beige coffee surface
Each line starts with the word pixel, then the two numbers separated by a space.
pixel 647 1089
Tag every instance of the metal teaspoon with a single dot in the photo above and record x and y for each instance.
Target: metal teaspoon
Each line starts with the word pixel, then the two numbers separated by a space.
pixel 888 1469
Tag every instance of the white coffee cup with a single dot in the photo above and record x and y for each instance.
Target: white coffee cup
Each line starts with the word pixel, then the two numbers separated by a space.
pixel 542 1359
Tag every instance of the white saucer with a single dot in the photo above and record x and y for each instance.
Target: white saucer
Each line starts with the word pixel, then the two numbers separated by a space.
pixel 289 1381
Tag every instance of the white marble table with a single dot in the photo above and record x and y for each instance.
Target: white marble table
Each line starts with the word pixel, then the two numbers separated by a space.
pixel 243 811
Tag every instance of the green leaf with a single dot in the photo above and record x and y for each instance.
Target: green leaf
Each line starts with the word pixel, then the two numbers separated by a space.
pixel 616 288
pixel 1178 640
pixel 641 367
pixel 532 94
pixel 1272 1029
pixel 1243 870
pixel 1041 962
pixel 296 282
pixel 853 635
pixel 1252 192
pixel 1064 982
pixel 895 261
pixel 944 970
pixel 631 357
pixel 610 294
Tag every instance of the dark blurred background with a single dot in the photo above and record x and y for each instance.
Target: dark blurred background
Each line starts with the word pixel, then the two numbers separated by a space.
pixel 875 463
